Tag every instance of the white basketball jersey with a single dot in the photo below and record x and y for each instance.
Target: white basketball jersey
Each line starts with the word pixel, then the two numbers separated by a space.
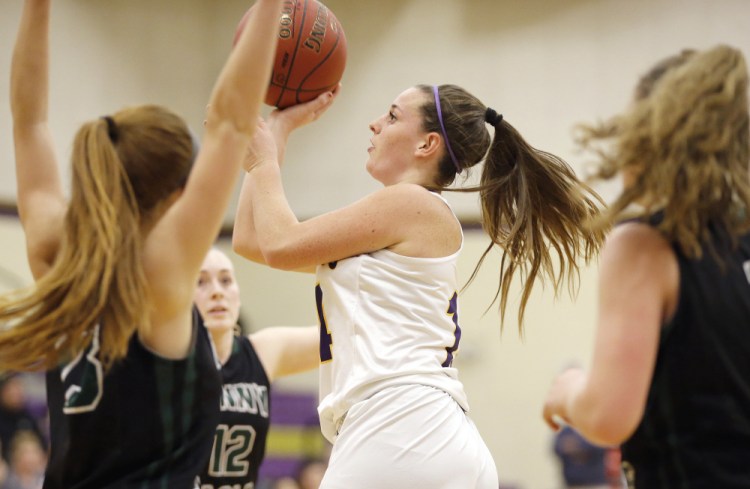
pixel 386 320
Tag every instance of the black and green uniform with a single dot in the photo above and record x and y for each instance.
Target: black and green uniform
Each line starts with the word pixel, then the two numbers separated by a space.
pixel 148 423
pixel 240 442
pixel 695 431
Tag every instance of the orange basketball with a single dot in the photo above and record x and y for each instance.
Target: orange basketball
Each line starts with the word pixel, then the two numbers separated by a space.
pixel 310 56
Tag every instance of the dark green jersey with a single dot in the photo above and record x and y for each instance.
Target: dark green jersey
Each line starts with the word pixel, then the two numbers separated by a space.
pixel 148 423
pixel 695 431
pixel 240 441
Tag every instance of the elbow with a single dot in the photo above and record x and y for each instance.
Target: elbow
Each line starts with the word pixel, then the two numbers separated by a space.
pixel 245 250
pixel 279 259
pixel 261 253
pixel 279 251
pixel 282 254
pixel 238 246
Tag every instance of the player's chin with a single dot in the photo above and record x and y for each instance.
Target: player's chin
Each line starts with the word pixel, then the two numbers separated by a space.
pixel 376 171
pixel 218 325
pixel 370 167
pixel 371 164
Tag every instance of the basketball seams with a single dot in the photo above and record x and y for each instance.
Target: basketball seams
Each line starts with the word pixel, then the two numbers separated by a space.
pixel 298 36
pixel 294 67
pixel 311 54
pixel 315 68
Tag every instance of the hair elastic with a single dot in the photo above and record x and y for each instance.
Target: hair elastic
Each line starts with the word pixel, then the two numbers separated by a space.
pixel 492 118
pixel 442 128
pixel 111 128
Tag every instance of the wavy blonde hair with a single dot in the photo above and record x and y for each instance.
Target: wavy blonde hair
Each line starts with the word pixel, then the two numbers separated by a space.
pixel 685 142
pixel 97 278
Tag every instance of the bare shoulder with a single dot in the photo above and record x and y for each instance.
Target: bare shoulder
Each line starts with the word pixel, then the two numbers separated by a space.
pixel 639 255
pixel 401 191
pixel 410 204
pixel 429 227
pixel 636 239
pixel 410 197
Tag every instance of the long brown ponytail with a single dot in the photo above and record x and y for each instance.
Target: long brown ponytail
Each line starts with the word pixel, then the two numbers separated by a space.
pixel 533 206
pixel 122 168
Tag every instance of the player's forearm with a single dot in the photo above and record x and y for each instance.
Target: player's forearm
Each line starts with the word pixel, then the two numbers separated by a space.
pixel 29 78
pixel 239 91
pixel 596 415
pixel 244 236
pixel 274 220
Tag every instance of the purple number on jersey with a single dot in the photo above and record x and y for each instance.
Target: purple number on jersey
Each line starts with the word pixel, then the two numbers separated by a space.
pixel 326 340
pixel 453 313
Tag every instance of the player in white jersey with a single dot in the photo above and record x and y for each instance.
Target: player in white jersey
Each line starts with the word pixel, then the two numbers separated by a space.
pixel 368 345
pixel 387 373
pixel 387 289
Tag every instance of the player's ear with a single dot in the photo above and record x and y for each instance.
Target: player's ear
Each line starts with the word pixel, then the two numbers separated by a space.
pixel 429 145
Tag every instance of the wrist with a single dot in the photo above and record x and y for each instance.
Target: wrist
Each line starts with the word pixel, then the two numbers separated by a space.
pixel 251 165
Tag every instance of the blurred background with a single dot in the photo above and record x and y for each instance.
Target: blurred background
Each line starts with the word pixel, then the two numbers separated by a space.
pixel 545 64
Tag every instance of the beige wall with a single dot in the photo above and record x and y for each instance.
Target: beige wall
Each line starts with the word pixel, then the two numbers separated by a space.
pixel 14 270
pixel 545 64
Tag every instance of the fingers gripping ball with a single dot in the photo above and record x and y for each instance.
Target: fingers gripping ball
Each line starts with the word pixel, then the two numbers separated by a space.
pixel 310 56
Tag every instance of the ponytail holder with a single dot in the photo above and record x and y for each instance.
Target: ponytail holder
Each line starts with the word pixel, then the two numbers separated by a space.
pixel 111 128
pixel 492 118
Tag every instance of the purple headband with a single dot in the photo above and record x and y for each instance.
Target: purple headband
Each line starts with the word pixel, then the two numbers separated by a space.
pixel 442 128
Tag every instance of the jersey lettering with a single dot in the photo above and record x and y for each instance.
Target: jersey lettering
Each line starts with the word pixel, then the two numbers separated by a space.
pixel 232 446
pixel 453 313
pixel 245 398
pixel 326 339
pixel 248 485
pixel 82 380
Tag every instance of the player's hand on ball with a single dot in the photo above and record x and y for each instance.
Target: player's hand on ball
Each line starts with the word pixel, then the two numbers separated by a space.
pixel 289 119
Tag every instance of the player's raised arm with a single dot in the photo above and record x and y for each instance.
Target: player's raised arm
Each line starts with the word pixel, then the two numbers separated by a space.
pixel 231 119
pixel 41 203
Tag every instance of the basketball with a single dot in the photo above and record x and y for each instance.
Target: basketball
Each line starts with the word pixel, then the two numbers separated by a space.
pixel 310 56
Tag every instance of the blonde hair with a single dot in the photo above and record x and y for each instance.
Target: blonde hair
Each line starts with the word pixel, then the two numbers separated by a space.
pixel 120 175
pixel 685 138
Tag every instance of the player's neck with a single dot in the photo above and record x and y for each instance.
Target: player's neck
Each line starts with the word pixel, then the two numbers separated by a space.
pixel 223 341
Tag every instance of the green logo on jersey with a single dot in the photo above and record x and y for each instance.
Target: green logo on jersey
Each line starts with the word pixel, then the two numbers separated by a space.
pixel 82 380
